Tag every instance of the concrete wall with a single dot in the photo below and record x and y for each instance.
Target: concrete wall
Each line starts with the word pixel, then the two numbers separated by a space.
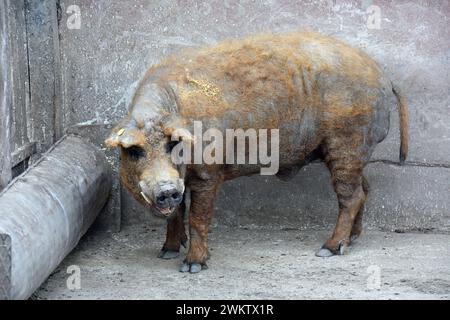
pixel 118 40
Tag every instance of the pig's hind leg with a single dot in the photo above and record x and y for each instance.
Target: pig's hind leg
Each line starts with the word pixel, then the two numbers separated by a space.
pixel 345 162
pixel 357 224
pixel 175 236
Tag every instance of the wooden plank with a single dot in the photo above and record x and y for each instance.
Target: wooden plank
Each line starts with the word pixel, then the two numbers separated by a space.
pixel 31 120
pixel 19 74
pixel 44 72
pixel 23 153
pixel 5 97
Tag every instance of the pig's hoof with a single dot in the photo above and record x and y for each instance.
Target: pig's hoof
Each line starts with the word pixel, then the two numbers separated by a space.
pixel 324 253
pixel 168 254
pixel 192 267
pixel 342 248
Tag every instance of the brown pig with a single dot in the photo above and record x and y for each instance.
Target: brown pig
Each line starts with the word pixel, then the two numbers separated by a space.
pixel 325 100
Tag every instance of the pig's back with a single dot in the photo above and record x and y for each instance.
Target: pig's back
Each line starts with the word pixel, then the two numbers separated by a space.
pixel 279 74
pixel 304 84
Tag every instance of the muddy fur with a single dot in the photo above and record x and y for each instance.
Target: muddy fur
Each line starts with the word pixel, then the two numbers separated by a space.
pixel 329 101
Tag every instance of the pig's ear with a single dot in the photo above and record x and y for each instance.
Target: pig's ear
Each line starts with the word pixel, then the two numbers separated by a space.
pixel 178 132
pixel 125 137
pixel 113 140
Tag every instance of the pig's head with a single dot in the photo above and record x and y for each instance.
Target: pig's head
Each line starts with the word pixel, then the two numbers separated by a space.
pixel 146 138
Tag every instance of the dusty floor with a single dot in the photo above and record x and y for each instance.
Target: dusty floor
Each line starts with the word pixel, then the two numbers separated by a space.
pixel 257 264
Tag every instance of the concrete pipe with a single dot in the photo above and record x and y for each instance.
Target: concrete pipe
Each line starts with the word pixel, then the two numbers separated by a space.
pixel 45 211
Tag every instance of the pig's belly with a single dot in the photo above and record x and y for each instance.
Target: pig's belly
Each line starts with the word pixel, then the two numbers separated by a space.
pixel 297 142
pixel 289 157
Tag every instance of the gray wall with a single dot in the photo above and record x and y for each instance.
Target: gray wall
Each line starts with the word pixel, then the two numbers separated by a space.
pixel 118 40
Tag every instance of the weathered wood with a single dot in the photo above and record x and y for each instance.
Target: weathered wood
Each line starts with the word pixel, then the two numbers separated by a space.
pixel 44 72
pixel 30 81
pixel 19 82
pixel 15 85
pixel 5 97
pixel 23 153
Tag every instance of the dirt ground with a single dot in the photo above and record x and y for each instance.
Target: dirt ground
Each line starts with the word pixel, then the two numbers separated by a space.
pixel 256 264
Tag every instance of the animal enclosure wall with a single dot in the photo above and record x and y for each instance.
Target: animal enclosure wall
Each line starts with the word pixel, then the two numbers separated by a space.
pixel 101 48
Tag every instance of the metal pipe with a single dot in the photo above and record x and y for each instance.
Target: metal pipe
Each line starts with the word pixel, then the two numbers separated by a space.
pixel 46 210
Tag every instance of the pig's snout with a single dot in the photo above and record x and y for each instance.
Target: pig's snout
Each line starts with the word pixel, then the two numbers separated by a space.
pixel 163 197
pixel 167 196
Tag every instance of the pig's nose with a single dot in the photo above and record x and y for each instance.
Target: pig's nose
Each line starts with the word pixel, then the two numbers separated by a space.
pixel 169 198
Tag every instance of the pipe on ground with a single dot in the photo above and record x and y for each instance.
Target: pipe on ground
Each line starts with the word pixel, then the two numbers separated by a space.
pixel 45 211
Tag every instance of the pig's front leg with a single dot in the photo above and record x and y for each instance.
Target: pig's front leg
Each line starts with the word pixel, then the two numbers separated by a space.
pixel 175 236
pixel 203 195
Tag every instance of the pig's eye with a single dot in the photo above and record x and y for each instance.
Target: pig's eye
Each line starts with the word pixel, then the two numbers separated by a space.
pixel 170 145
pixel 135 153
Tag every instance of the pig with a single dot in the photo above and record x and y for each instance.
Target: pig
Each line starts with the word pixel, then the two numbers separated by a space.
pixel 329 102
